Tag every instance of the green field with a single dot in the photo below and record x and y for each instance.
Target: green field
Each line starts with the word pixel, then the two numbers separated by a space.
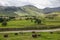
pixel 28 23
pixel 28 36
pixel 18 23
pixel 52 19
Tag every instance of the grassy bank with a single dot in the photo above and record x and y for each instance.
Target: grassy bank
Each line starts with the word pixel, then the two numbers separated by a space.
pixel 28 36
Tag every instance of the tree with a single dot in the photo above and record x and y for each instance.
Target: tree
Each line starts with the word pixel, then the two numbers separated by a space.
pixel 38 21
pixel 26 18
pixel 4 23
pixel 11 18
pixel 31 19
pixel 1 20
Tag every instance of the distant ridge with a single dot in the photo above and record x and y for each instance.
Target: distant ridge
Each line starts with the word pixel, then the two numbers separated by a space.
pixel 27 9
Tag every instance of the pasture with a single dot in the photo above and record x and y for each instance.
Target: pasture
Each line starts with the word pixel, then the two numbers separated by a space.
pixel 28 36
pixel 29 24
pixel 46 20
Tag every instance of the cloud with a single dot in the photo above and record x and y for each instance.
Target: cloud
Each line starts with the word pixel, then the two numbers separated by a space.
pixel 37 3
pixel 13 3
pixel 45 3
pixel 40 3
pixel 55 3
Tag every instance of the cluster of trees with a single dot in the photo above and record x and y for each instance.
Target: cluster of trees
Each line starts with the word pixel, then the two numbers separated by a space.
pixel 3 21
pixel 36 20
pixel 11 18
pixel 52 16
pixel 49 17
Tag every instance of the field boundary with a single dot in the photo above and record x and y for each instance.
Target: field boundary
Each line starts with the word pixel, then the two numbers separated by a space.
pixel 30 28
pixel 50 30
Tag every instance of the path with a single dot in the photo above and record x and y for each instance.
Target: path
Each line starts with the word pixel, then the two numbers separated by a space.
pixel 51 30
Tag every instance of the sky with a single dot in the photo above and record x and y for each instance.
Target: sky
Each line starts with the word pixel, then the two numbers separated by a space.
pixel 38 3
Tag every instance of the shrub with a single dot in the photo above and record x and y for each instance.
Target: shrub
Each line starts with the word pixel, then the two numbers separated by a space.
pixel 51 32
pixel 38 21
pixel 26 18
pixel 1 20
pixel 11 18
pixel 4 23
pixel 5 35
pixel 34 35
pixel 16 33
pixel 33 32
pixel 39 35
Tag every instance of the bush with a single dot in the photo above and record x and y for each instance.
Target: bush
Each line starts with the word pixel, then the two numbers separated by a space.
pixel 39 35
pixel 16 33
pixel 26 18
pixel 1 20
pixel 5 35
pixel 51 32
pixel 33 32
pixel 34 35
pixel 38 21
pixel 4 23
pixel 11 18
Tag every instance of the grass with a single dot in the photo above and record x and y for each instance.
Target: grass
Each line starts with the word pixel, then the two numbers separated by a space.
pixel 28 36
pixel 27 23
pixel 18 23
pixel 52 22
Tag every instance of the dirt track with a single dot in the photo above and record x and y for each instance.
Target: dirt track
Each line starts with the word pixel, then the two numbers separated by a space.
pixel 51 30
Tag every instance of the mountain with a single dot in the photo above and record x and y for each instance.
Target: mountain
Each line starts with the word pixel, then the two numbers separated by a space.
pixel 29 10
pixel 7 11
pixel 25 10
pixel 49 10
pixel 45 10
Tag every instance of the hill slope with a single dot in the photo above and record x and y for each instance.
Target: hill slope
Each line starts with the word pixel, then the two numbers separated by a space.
pixel 25 10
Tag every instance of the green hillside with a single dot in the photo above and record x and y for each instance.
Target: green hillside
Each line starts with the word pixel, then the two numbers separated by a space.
pixel 28 10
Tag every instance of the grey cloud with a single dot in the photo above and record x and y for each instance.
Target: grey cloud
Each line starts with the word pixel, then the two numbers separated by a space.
pixel 54 3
